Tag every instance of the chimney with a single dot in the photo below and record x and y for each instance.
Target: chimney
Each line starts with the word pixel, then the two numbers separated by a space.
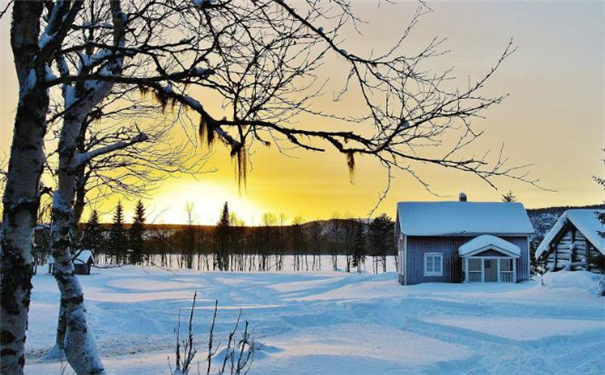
pixel 462 197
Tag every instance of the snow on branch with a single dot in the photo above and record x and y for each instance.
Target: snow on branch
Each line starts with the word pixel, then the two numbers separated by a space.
pixel 83 158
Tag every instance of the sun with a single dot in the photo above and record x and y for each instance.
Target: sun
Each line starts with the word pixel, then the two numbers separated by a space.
pixel 169 203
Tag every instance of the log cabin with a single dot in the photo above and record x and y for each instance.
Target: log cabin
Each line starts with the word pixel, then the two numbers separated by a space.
pixel 462 241
pixel 574 242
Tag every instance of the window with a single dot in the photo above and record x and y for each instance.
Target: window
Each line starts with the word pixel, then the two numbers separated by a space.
pixel 474 265
pixel 433 264
pixel 506 265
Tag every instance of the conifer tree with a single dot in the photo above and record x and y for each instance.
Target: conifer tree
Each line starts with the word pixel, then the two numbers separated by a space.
pixel 381 240
pixel 136 233
pixel 117 235
pixel 596 259
pixel 509 197
pixel 359 246
pixel 93 234
pixel 223 239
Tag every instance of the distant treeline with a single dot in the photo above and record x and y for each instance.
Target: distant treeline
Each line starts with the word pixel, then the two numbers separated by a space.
pixel 230 245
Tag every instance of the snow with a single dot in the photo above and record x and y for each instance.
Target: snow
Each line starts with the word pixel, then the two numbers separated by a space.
pixel 100 56
pixel 44 39
pixel 202 71
pixel 585 221
pixel 333 323
pixel 485 242
pixel 31 79
pixel 69 93
pixel 200 3
pixel 584 280
pixel 458 218
pixel 49 76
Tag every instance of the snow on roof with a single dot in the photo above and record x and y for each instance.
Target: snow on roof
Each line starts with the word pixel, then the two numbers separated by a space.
pixel 462 218
pixel 585 221
pixel 82 258
pixel 486 242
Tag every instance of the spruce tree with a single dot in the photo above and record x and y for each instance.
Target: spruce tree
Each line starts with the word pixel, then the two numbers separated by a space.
pixel 381 240
pixel 223 239
pixel 93 234
pixel 117 235
pixel 596 259
pixel 359 246
pixel 136 233
pixel 509 197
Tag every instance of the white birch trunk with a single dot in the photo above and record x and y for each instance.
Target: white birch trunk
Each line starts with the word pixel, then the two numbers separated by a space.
pixel 74 337
pixel 21 195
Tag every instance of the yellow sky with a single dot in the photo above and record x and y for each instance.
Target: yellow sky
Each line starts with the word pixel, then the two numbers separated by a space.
pixel 554 119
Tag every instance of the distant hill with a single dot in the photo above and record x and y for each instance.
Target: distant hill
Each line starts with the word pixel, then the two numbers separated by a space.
pixel 544 218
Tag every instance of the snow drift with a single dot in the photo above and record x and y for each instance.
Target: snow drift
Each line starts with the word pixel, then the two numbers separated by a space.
pixel 585 280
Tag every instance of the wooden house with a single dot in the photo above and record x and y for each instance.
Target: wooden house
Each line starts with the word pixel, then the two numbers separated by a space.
pixel 574 242
pixel 83 261
pixel 462 242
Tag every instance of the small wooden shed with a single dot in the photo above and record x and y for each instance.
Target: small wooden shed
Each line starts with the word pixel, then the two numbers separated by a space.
pixel 83 262
pixel 573 241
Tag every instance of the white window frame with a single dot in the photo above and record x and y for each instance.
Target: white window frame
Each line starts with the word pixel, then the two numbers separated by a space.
pixel 435 256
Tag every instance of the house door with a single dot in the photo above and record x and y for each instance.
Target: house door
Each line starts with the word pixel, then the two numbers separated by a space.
pixel 491 270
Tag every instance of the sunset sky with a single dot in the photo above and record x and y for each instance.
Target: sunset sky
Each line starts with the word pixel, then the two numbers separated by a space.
pixel 553 119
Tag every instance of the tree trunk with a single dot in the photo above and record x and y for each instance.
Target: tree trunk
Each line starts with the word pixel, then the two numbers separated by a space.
pixel 21 202
pixel 73 335
pixel 21 196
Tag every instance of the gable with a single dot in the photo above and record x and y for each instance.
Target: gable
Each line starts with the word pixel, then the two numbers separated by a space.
pixel 490 253
pixel 487 243
pixel 584 221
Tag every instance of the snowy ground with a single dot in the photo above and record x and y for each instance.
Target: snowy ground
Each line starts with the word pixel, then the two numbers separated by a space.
pixel 334 323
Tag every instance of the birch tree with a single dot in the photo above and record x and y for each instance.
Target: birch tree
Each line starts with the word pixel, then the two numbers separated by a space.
pixel 32 53
pixel 244 72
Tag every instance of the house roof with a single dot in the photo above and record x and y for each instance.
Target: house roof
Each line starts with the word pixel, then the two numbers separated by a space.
pixel 486 242
pixel 462 218
pixel 83 257
pixel 585 221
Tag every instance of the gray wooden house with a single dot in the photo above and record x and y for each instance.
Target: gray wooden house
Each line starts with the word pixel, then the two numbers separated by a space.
pixel 462 241
pixel 574 242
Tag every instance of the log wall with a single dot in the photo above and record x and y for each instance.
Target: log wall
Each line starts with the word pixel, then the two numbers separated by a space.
pixel 569 246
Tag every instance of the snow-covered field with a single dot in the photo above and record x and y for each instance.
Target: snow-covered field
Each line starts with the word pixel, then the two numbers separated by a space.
pixel 334 323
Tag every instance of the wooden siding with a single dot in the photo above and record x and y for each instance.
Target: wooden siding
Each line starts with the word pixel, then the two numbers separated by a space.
pixel 452 263
pixel 570 245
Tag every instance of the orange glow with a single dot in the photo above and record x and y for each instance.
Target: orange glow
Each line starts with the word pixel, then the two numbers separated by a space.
pixel 553 119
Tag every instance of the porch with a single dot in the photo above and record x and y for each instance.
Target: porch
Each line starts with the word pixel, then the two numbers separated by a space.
pixel 490 270
pixel 489 259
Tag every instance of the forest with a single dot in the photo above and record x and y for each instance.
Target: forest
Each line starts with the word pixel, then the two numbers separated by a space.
pixel 230 245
